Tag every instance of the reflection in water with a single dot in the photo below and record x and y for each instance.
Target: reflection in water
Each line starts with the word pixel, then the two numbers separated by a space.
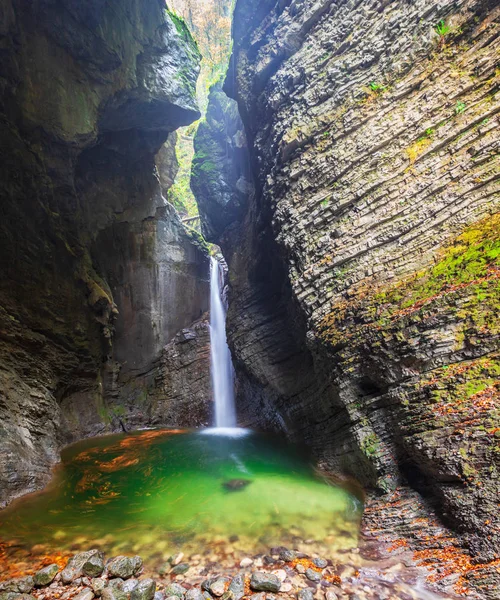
pixel 155 489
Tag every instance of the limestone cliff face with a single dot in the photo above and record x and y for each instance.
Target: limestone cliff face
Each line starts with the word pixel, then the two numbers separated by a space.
pixel 221 176
pixel 364 276
pixel 89 92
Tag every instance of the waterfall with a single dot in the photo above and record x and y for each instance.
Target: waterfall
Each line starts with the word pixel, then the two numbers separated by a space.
pixel 221 365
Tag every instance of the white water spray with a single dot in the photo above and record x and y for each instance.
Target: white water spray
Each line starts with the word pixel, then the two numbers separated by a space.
pixel 221 365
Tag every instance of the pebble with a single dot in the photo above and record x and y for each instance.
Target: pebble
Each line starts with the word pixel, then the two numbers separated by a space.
pixel 280 574
pixel 260 596
pixel 176 559
pixel 300 569
pixel 286 587
pixel 21 585
pixel 112 593
pixel 288 555
pixel 98 584
pixel 194 594
pixel 218 587
pixel 145 590
pixel 265 582
pixel 174 589
pixel 124 566
pixel 321 563
pixel 313 575
pixel 86 594
pixel 180 569
pixel 331 595
pixel 305 594
pixel 237 586
pixel 246 562
pixel 129 585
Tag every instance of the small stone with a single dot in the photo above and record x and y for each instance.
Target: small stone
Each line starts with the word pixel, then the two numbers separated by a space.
pixel 246 562
pixel 180 569
pixel 116 583
pixel 321 563
pixel 46 575
pixel 94 566
pixel 331 595
pixel 176 559
pixel 280 574
pixel 218 587
pixel 305 594
pixel 313 575
pixel 260 596
pixel 124 566
pixel 113 593
pixel 129 585
pixel 85 595
pixel 16 596
pixel 174 589
pixel 227 595
pixel 145 590
pixel 194 594
pixel 98 585
pixel 300 568
pixel 286 587
pixel 165 569
pixel 288 555
pixel 237 587
pixel 265 582
pixel 160 596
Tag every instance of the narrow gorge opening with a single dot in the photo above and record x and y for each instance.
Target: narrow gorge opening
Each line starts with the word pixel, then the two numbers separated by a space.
pixel 249 263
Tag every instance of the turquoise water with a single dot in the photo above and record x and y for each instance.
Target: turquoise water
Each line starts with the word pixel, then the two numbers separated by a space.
pixel 153 490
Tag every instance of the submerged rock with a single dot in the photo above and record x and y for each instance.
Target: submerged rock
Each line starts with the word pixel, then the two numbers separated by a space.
pixel 234 485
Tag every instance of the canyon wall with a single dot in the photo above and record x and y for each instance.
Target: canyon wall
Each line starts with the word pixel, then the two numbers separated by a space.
pixel 364 275
pixel 97 274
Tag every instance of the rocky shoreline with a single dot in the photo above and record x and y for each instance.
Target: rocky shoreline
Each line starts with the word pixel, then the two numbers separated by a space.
pixel 280 575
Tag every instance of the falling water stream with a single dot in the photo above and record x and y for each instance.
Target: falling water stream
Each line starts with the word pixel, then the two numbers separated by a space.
pixel 221 365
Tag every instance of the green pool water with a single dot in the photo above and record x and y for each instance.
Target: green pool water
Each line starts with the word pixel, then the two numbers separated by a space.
pixel 153 491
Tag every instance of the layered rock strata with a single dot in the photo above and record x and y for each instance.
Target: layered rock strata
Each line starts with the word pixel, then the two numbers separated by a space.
pixel 364 276
pixel 89 92
pixel 221 176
